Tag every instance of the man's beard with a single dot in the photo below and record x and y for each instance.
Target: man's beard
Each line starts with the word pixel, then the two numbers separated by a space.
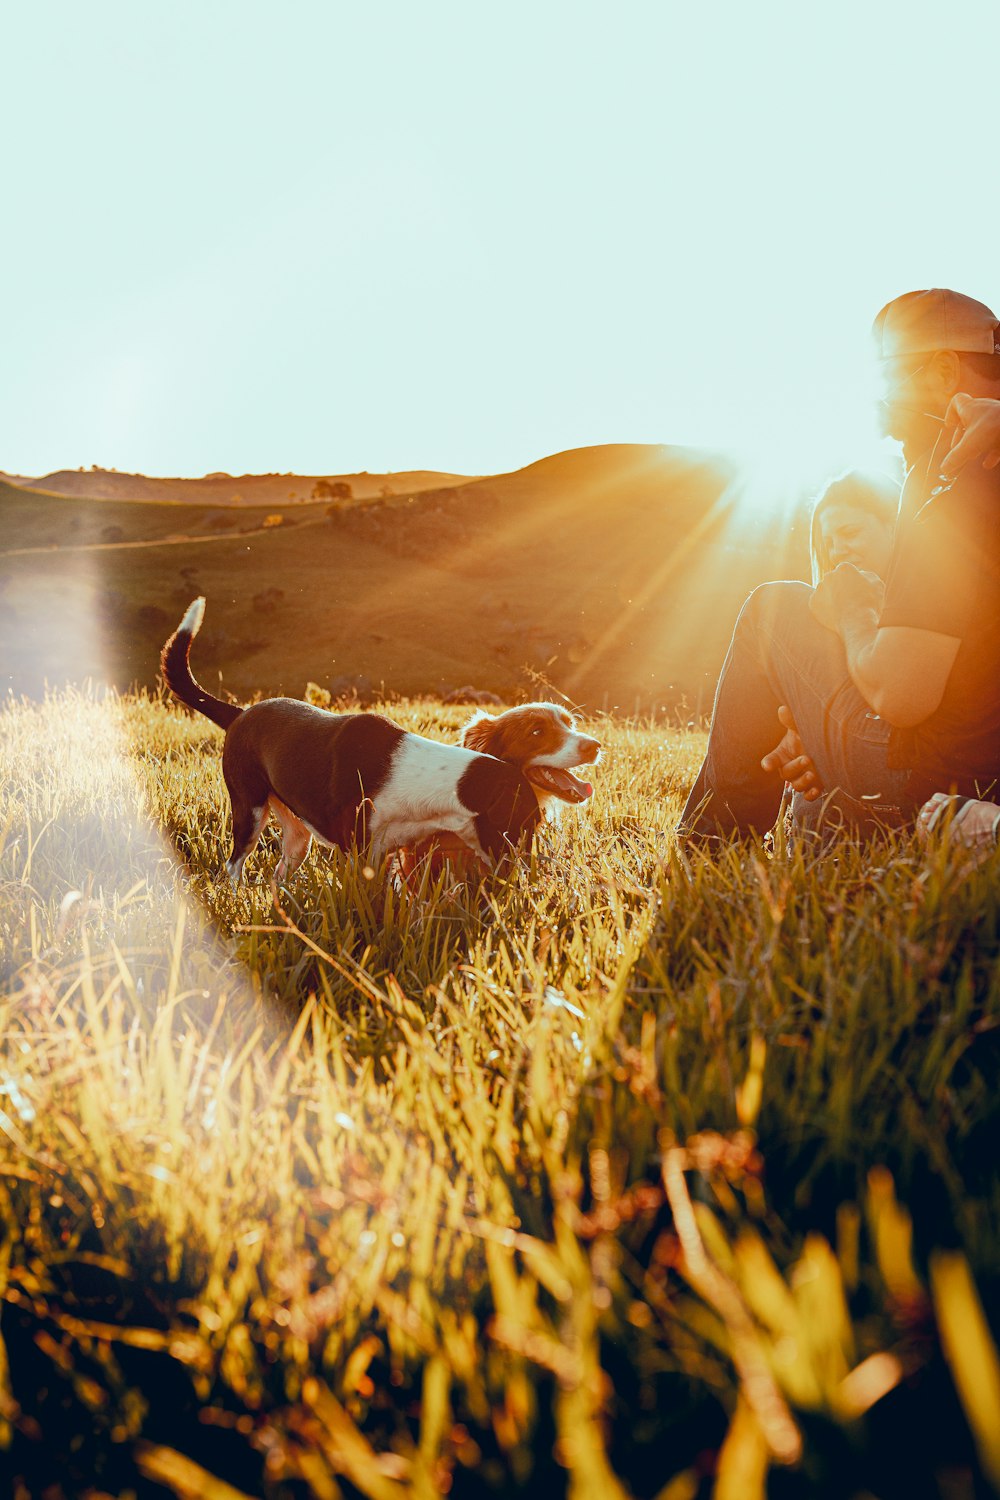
pixel 916 429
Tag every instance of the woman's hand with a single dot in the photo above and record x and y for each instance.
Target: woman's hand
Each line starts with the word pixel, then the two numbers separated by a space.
pixel 842 592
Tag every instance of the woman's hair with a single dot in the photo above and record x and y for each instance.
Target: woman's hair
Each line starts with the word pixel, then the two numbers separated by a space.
pixel 861 489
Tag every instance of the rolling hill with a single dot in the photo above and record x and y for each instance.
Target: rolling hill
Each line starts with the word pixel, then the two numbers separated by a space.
pixel 613 572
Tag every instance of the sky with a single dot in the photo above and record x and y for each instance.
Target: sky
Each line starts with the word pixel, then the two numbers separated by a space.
pixel 325 237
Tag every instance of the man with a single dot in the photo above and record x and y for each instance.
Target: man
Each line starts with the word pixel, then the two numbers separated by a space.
pixel 894 691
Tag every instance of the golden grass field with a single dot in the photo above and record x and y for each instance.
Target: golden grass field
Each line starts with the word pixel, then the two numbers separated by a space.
pixel 634 1174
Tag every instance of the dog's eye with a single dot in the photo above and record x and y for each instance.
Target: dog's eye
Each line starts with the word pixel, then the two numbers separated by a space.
pixel 534 732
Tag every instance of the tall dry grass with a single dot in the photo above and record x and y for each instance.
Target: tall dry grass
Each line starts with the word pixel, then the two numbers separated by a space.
pixel 592 1179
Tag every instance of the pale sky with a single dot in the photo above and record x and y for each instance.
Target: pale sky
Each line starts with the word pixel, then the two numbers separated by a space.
pixel 325 237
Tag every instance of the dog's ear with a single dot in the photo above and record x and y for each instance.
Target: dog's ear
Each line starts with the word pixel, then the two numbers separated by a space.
pixel 478 732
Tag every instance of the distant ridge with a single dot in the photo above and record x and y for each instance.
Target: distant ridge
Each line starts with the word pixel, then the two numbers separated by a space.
pixel 227 489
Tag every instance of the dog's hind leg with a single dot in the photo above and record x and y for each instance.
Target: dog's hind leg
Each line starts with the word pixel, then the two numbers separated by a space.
pixel 295 839
pixel 248 825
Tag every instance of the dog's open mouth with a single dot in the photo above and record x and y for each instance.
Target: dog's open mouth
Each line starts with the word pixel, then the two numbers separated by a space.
pixel 559 783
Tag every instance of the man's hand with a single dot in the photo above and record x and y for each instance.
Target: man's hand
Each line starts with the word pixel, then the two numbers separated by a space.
pixel 844 591
pixel 790 760
pixel 975 424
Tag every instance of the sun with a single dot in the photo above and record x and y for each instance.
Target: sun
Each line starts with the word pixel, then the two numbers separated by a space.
pixel 811 437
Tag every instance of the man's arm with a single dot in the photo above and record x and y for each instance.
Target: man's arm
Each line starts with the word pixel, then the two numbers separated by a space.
pixel 900 670
pixel 903 672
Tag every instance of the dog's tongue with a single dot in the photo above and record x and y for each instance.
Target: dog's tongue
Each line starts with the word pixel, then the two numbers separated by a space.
pixel 560 783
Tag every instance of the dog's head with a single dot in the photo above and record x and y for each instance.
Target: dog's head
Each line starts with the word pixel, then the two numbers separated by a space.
pixel 543 741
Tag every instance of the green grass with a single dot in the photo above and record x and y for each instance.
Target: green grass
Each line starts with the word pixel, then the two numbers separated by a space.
pixel 631 1174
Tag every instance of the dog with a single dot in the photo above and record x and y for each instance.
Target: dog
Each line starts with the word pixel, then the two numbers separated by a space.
pixel 356 777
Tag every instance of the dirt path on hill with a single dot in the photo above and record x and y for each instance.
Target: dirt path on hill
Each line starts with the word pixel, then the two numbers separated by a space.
pixel 53 548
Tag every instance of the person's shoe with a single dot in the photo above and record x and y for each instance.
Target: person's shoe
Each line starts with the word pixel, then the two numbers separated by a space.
pixel 965 823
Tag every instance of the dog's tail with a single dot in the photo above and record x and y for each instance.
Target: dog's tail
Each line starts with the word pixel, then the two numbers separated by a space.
pixel 177 674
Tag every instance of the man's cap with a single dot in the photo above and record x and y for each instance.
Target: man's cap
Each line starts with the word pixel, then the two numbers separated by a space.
pixel 920 322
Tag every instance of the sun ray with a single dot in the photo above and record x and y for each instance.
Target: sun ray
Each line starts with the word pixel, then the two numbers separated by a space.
pixel 650 588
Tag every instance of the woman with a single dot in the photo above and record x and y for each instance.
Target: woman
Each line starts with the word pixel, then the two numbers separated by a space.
pixel 850 524
pixel 852 521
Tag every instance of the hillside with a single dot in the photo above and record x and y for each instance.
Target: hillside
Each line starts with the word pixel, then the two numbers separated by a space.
pixel 614 571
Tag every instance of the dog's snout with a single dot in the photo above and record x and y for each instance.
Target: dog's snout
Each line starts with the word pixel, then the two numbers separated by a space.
pixel 589 747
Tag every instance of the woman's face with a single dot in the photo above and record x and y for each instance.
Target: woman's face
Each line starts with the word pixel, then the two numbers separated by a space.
pixel 852 535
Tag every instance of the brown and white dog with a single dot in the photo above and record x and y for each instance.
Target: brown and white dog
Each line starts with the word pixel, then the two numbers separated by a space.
pixel 341 778
pixel 540 738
